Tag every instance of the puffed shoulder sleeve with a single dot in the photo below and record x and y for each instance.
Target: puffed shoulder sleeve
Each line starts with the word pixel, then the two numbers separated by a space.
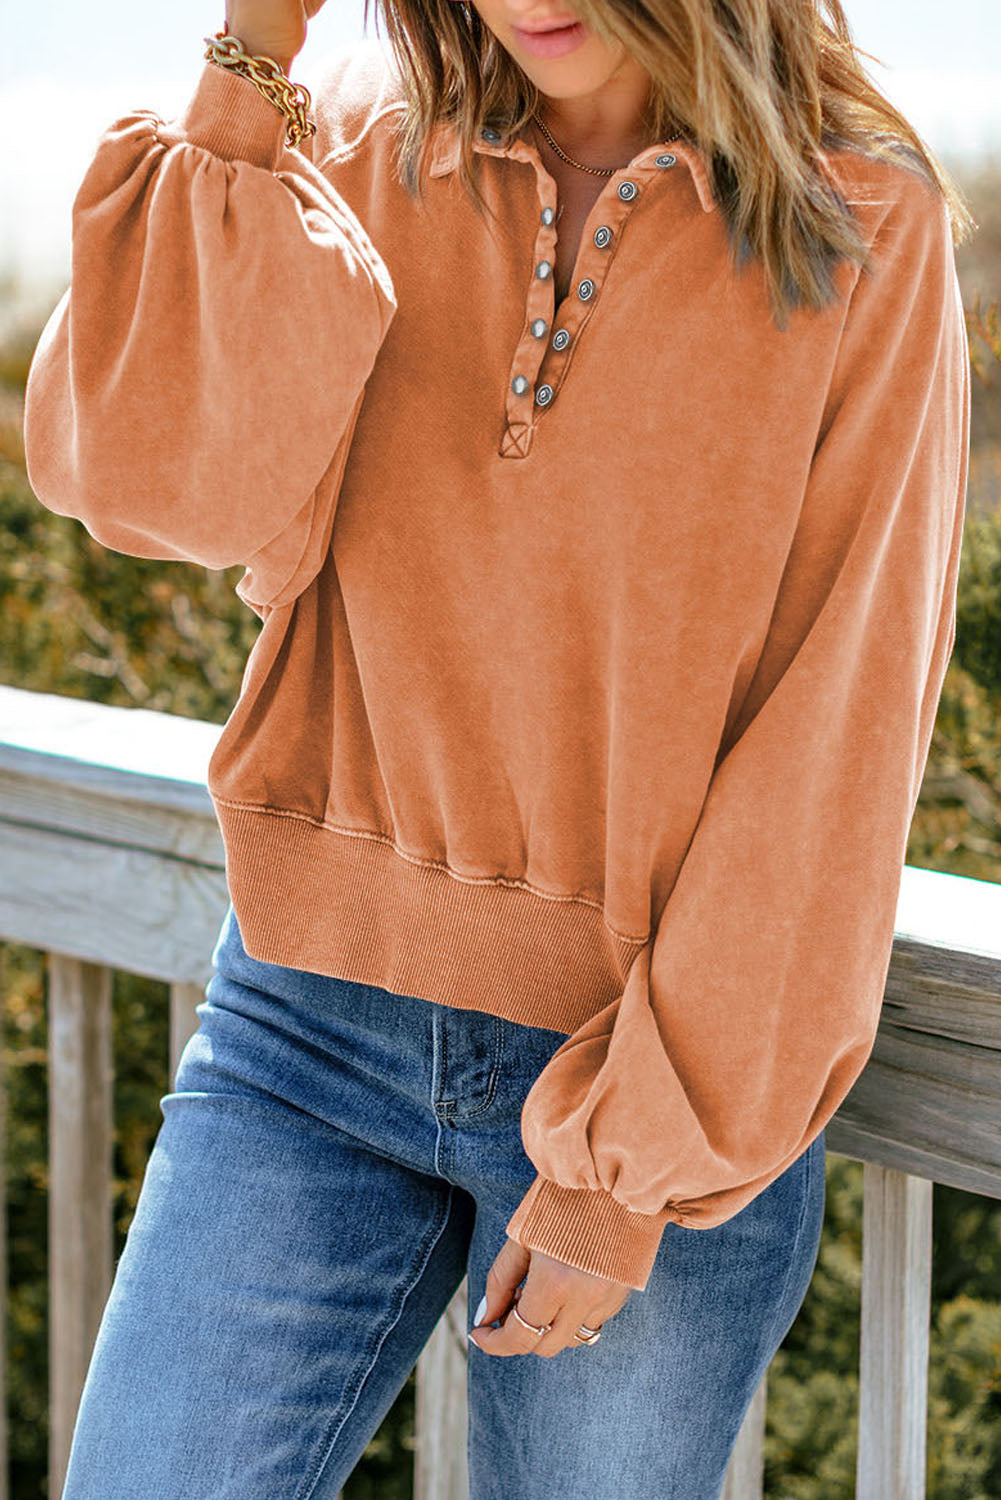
pixel 753 1007
pixel 194 392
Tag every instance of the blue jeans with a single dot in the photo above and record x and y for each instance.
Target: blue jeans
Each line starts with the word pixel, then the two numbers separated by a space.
pixel 334 1157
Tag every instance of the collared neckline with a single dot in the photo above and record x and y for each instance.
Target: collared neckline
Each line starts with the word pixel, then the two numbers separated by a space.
pixel 446 154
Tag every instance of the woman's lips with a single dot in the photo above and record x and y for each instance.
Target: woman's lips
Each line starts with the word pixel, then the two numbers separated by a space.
pixel 554 43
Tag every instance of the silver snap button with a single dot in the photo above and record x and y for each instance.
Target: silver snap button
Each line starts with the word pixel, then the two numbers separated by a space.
pixel 666 159
pixel 560 339
pixel 543 395
pixel 519 385
pixel 585 289
pixel 547 215
pixel 628 190
pixel 539 327
pixel 543 269
pixel 602 235
pixel 489 134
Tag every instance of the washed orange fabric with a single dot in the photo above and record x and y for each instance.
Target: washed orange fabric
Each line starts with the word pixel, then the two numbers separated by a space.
pixel 600 647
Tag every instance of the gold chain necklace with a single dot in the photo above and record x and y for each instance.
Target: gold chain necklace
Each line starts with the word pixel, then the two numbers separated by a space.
pixel 598 171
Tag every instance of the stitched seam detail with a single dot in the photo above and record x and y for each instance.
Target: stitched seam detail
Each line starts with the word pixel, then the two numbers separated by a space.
pixel 337 1425
pixel 451 1115
pixel 433 864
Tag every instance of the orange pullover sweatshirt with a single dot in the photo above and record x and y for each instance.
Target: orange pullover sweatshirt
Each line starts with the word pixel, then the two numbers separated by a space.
pixel 601 643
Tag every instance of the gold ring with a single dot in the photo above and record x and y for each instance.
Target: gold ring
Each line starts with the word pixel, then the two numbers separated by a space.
pixel 587 1335
pixel 538 1331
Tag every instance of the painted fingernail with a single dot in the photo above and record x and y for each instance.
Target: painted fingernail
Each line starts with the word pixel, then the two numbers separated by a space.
pixel 478 1315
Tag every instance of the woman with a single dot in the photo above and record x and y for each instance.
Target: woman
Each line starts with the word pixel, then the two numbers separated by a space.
pixel 586 398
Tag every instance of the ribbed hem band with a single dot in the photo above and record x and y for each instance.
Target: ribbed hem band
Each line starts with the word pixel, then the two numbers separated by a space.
pixel 354 906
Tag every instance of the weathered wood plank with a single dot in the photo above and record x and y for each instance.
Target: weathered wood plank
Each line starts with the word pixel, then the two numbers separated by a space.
pixel 183 1020
pixel 80 1226
pixel 440 1417
pixel 108 903
pixel 156 758
pixel 939 1038
pixel 896 1302
pixel 86 813
pixel 745 1474
pixel 950 912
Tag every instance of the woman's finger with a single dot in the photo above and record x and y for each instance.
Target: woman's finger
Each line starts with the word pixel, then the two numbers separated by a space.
pixel 553 1294
pixel 547 1285
pixel 569 1321
pixel 511 1336
pixel 502 1282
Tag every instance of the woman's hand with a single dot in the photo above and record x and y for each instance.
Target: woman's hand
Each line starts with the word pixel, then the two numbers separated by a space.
pixel 272 28
pixel 553 1293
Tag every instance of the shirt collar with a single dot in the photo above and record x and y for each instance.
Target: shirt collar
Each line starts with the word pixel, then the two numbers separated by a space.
pixel 446 153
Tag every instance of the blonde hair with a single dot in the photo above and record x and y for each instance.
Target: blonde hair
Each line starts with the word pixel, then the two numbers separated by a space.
pixel 756 85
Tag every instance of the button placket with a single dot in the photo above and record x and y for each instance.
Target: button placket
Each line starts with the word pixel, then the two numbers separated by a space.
pixel 594 256
pixel 524 382
pixel 545 350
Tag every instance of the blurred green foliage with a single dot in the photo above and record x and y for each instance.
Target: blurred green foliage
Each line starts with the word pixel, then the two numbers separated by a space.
pixel 79 620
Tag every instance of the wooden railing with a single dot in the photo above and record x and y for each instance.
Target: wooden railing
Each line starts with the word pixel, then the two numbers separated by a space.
pixel 111 858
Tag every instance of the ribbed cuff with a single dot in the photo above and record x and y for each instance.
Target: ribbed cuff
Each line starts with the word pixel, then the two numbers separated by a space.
pixel 229 116
pixel 589 1229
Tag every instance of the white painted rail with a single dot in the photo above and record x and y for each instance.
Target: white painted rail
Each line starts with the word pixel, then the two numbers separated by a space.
pixel 111 858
